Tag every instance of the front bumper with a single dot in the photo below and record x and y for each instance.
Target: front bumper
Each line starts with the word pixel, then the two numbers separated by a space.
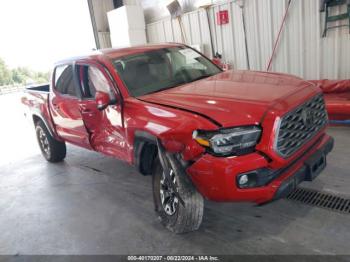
pixel 216 177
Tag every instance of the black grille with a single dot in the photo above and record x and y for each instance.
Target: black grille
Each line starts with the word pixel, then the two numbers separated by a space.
pixel 300 125
pixel 320 199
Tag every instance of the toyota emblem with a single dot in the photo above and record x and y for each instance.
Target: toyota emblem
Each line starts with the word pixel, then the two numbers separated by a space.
pixel 307 117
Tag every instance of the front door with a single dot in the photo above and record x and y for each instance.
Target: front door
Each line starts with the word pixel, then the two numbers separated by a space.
pixel 105 127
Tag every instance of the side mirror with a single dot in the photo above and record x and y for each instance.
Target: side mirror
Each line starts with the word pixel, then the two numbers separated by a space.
pixel 217 61
pixel 103 100
pixel 222 65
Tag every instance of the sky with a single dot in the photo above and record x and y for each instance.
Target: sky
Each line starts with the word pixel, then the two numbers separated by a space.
pixel 36 33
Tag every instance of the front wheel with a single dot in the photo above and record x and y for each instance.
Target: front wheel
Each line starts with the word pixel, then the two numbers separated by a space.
pixel 52 149
pixel 173 215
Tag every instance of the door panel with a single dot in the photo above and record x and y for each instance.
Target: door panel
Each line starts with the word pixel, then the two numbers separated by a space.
pixel 105 127
pixel 106 131
pixel 68 120
pixel 65 108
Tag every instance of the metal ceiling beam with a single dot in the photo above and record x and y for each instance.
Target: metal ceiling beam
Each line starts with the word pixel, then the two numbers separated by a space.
pixel 93 22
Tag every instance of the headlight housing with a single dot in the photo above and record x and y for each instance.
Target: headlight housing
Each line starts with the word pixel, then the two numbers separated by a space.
pixel 229 141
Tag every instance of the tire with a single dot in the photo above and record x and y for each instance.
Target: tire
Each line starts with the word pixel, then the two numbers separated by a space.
pixel 184 218
pixel 53 150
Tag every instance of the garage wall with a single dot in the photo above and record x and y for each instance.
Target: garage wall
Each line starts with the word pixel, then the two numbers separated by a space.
pixel 302 51
pixel 98 12
pixel 155 10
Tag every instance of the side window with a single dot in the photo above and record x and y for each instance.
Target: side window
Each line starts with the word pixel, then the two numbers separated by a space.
pixel 97 81
pixel 87 88
pixel 64 81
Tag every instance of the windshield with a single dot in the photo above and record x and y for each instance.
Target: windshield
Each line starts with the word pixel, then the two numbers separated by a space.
pixel 161 69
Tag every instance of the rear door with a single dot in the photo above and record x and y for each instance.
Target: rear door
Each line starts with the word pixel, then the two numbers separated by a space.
pixel 65 106
pixel 107 133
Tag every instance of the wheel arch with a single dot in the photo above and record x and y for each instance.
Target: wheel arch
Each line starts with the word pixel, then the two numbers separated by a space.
pixel 37 118
pixel 145 151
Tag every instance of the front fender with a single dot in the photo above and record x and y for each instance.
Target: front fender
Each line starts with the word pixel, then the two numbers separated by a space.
pixel 147 122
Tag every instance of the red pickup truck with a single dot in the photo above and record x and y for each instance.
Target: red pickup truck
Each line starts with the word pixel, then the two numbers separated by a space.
pixel 198 130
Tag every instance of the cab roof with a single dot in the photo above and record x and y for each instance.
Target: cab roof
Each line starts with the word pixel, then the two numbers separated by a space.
pixel 113 53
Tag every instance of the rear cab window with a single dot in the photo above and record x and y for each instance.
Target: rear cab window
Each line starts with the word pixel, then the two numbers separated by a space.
pixel 64 80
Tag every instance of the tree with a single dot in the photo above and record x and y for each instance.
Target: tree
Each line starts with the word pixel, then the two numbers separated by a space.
pixel 41 77
pixel 20 75
pixel 5 74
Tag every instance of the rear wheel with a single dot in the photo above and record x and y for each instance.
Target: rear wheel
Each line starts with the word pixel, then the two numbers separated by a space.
pixel 52 149
pixel 172 214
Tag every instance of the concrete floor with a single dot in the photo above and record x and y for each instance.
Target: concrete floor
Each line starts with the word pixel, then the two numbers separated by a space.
pixel 92 204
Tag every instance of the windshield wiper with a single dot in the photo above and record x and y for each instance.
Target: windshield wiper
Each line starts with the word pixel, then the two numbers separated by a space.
pixel 165 88
pixel 201 77
pixel 180 83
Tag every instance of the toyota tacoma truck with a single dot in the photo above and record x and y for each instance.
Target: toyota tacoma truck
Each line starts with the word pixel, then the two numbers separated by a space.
pixel 199 131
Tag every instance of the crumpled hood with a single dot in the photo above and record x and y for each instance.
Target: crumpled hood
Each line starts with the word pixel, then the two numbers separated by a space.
pixel 233 97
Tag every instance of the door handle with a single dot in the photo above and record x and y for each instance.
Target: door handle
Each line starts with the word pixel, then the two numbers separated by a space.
pixel 87 111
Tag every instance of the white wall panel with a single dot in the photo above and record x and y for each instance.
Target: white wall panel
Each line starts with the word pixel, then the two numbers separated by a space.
pixel 168 31
pixel 302 51
pixel 104 39
pixel 101 7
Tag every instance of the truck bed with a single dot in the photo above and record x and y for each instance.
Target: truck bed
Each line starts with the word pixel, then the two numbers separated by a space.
pixel 36 97
pixel 40 88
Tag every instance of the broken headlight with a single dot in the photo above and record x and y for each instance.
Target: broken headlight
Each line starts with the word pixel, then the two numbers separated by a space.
pixel 229 141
